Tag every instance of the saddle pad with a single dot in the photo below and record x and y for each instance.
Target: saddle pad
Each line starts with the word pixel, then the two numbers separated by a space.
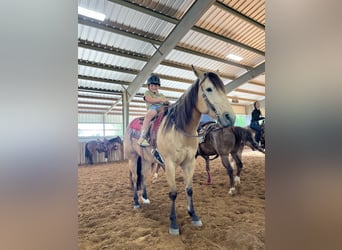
pixel 136 124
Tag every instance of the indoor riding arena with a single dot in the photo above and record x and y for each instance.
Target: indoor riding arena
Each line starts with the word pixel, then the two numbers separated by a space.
pixel 107 219
pixel 188 58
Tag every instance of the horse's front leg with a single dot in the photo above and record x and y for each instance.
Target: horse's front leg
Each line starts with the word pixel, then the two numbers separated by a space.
pixel 170 170
pixel 207 168
pixel 226 164
pixel 238 162
pixel 188 174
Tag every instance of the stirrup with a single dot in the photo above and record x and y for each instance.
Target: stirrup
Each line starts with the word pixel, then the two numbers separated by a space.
pixel 157 156
pixel 143 142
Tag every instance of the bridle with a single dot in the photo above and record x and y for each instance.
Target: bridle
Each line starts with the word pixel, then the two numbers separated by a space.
pixel 209 105
pixel 206 99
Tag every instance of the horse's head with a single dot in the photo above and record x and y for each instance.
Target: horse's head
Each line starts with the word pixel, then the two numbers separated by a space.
pixel 212 99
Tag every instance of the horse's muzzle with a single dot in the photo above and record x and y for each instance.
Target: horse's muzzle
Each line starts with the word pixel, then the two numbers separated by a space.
pixel 226 120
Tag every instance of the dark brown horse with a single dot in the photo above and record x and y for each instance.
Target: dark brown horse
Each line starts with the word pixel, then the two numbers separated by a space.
pixel 105 146
pixel 221 142
pixel 91 147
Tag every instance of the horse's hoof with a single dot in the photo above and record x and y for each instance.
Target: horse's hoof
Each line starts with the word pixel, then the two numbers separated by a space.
pixel 232 191
pixel 136 206
pixel 197 223
pixel 145 201
pixel 173 231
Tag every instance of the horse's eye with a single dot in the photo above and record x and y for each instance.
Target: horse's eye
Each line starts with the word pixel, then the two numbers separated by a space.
pixel 208 89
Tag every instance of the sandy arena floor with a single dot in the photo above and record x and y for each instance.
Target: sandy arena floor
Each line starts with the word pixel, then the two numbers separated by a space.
pixel 107 220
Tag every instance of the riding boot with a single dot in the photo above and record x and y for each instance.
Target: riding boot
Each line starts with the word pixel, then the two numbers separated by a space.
pixel 142 140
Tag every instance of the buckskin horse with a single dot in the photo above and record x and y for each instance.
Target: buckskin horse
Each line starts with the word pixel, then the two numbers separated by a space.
pixel 178 128
pixel 221 142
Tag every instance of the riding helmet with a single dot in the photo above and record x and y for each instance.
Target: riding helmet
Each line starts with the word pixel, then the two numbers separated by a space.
pixel 153 79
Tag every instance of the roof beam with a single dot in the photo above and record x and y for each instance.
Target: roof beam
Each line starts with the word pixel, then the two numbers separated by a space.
pixel 245 78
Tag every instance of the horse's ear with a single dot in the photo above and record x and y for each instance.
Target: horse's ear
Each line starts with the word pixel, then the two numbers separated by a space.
pixel 199 74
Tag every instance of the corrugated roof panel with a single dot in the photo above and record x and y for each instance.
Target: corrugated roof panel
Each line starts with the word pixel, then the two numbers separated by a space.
pixel 228 25
pixel 181 57
pixel 93 106
pixel 253 87
pixel 175 8
pixel 99 85
pixel 114 40
pixel 97 101
pixel 174 84
pixel 129 18
pixel 254 9
pixel 212 46
pixel 107 74
pixel 246 95
pixel 91 55
pixel 176 72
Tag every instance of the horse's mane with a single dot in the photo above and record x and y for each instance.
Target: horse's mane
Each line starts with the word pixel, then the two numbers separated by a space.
pixel 115 139
pixel 180 113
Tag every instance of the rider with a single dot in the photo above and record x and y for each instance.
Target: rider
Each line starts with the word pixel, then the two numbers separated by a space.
pixel 154 101
pixel 256 117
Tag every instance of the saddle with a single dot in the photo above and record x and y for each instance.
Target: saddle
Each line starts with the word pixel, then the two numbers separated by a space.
pixel 204 130
pixel 151 134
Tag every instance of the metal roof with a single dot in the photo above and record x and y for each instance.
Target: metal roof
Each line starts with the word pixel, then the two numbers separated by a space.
pixel 115 54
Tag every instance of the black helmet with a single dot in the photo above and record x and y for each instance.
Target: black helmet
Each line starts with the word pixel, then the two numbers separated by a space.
pixel 153 79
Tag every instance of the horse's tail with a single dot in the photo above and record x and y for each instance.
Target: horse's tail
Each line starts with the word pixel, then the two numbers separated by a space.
pixel 88 154
pixel 139 175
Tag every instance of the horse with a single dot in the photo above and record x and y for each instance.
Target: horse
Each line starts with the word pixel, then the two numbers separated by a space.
pixel 178 128
pixel 91 147
pixel 221 142
pixel 112 145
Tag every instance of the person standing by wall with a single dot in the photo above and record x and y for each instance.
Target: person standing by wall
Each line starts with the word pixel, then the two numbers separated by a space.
pixel 256 117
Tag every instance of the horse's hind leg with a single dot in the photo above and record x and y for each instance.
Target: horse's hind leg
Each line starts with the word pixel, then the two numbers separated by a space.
pixel 134 171
pixel 188 174
pixel 145 167
pixel 226 164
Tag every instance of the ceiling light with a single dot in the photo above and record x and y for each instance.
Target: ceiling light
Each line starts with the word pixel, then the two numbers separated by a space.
pixel 91 14
pixel 234 57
